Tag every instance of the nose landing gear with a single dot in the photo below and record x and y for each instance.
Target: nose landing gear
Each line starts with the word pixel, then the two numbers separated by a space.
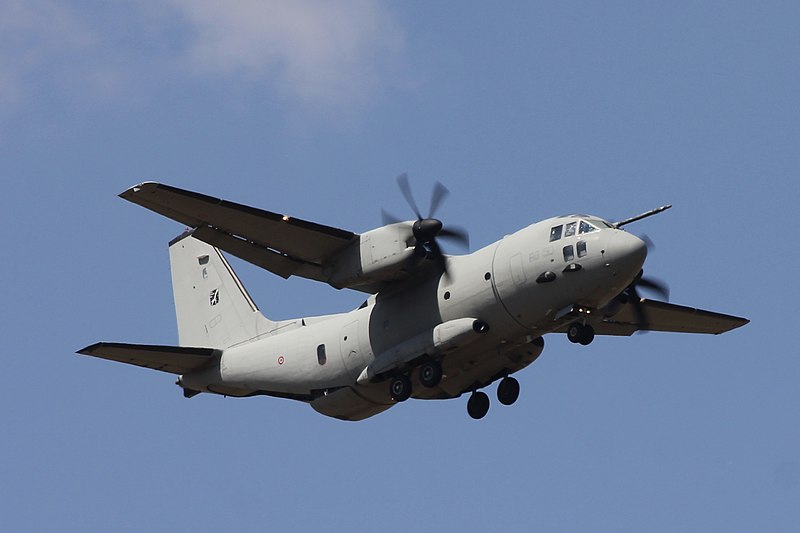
pixel 580 333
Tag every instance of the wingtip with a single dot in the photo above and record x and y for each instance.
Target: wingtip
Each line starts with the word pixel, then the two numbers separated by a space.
pixel 144 186
pixel 88 350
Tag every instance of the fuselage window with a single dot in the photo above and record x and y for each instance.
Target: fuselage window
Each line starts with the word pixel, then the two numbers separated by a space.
pixel 586 227
pixel 555 233
pixel 569 253
pixel 570 229
pixel 581 248
pixel 322 358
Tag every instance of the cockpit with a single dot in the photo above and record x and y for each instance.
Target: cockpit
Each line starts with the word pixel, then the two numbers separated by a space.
pixel 580 225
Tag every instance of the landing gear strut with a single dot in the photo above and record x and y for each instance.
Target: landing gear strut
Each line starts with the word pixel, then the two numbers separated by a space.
pixel 400 388
pixel 580 333
pixel 478 405
pixel 508 391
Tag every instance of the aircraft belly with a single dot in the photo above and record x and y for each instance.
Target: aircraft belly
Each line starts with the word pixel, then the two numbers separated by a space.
pixel 351 403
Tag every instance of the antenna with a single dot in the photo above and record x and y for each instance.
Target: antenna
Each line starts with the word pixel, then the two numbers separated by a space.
pixel 643 215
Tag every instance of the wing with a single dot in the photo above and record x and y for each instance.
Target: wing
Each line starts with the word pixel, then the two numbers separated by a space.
pixel 281 244
pixel 172 359
pixel 663 316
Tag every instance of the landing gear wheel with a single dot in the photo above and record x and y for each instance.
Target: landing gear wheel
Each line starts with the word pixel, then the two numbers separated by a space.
pixel 574 332
pixel 478 405
pixel 430 373
pixel 580 333
pixel 508 391
pixel 400 388
pixel 587 335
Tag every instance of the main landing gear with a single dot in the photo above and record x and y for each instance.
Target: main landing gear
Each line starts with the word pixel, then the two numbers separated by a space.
pixel 507 394
pixel 580 333
pixel 400 388
pixel 508 391
pixel 430 375
pixel 478 405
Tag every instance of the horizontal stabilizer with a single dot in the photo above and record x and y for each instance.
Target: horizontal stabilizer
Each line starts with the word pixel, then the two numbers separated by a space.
pixel 172 359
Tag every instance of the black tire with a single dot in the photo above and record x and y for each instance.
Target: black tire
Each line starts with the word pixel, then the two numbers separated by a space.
pixel 587 335
pixel 508 391
pixel 574 332
pixel 478 405
pixel 400 388
pixel 430 373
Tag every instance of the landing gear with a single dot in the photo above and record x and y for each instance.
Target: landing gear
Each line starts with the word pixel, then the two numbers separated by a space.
pixel 430 373
pixel 580 333
pixel 400 388
pixel 508 391
pixel 478 405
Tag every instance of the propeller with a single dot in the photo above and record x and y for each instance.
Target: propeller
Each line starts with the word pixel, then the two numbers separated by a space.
pixel 427 229
pixel 631 294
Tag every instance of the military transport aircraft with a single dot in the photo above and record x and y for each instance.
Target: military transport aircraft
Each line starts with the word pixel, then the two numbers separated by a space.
pixel 434 326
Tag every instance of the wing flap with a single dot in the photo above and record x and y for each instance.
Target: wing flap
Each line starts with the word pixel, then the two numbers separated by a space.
pixel 299 239
pixel 276 262
pixel 663 316
pixel 171 359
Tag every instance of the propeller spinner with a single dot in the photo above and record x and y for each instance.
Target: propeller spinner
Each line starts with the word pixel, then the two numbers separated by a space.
pixel 427 229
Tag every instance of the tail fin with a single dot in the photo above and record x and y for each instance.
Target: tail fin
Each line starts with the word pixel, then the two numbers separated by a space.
pixel 212 307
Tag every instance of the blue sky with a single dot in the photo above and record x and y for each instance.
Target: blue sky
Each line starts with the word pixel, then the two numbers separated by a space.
pixel 525 111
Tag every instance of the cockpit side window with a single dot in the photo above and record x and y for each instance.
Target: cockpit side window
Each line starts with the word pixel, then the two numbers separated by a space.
pixel 586 227
pixel 581 248
pixel 555 232
pixel 569 253
pixel 570 229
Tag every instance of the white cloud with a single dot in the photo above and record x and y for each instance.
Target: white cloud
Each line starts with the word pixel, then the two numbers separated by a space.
pixel 313 54
pixel 34 35
pixel 316 51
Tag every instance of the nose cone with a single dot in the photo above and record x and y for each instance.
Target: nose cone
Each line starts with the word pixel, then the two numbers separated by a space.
pixel 627 253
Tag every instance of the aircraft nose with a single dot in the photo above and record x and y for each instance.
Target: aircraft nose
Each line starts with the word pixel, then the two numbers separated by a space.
pixel 628 253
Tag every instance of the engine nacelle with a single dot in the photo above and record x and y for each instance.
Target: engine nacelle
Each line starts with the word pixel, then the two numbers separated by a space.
pixel 379 255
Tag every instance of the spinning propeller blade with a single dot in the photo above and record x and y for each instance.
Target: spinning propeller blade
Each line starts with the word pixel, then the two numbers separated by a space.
pixel 426 230
pixel 388 218
pixel 440 192
pixel 405 188
pixel 631 294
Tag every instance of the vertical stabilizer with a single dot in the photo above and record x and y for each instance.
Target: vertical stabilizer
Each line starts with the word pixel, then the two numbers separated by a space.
pixel 212 307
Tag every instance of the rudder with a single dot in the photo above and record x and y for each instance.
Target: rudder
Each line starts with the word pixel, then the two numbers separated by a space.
pixel 212 306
